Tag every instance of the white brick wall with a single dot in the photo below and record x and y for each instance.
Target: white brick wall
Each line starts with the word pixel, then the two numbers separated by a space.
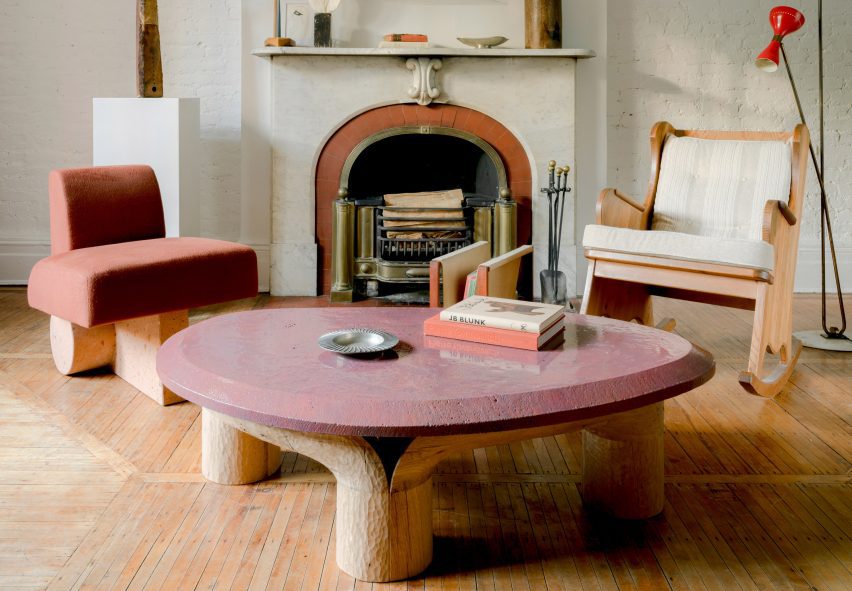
pixel 683 60
pixel 56 56
pixel 692 63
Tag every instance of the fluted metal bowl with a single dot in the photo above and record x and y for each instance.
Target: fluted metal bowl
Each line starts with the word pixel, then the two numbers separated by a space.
pixel 357 341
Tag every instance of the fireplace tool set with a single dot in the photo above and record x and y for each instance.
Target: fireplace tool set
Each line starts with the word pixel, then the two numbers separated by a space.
pixel 554 289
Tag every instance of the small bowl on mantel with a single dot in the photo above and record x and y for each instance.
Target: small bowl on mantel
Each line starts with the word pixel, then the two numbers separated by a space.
pixel 483 42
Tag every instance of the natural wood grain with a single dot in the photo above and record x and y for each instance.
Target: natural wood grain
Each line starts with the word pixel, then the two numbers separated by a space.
pixel 543 24
pixel 136 344
pixel 149 64
pixel 757 490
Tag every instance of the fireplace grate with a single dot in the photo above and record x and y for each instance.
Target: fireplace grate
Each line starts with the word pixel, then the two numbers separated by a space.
pixel 432 232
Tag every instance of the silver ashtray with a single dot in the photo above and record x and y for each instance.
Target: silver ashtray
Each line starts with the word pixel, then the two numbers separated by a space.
pixel 356 341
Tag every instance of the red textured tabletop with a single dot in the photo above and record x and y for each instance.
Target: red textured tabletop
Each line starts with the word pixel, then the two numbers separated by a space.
pixel 266 366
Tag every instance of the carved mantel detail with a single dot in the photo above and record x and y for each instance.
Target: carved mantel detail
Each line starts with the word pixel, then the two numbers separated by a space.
pixel 424 86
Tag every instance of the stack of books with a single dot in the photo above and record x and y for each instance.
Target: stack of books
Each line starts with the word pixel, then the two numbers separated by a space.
pixel 498 321
pixel 404 40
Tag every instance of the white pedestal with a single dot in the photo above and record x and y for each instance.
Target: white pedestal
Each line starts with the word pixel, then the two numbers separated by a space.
pixel 164 133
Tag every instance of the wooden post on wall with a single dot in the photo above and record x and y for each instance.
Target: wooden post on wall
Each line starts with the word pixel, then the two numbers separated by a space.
pixel 543 24
pixel 149 66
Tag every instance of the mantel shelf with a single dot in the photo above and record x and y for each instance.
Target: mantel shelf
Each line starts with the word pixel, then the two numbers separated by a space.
pixel 422 51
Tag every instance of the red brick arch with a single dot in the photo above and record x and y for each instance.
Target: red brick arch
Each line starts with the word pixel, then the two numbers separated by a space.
pixel 351 133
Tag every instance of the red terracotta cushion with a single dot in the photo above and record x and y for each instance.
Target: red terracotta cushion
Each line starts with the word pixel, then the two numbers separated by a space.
pixel 103 205
pixel 104 284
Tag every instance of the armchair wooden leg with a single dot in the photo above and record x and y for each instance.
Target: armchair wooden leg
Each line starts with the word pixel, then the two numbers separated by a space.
pixel 617 299
pixel 136 344
pixel 772 331
pixel 77 349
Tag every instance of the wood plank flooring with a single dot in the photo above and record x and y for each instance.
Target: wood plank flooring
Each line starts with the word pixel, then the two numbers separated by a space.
pixel 100 488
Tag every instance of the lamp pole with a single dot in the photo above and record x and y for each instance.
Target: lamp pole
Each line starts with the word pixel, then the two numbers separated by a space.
pixel 819 166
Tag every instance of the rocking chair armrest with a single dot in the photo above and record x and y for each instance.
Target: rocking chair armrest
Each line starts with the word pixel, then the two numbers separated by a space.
pixel 619 210
pixel 773 212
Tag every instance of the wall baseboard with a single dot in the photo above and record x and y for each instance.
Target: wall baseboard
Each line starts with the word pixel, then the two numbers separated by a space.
pixel 17 258
pixel 264 260
pixel 808 269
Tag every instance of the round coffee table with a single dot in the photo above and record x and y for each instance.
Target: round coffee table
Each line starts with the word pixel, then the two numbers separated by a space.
pixel 381 425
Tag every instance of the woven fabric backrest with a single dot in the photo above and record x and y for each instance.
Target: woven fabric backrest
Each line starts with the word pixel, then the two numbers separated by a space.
pixel 718 188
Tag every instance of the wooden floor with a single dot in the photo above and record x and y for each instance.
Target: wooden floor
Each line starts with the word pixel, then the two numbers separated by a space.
pixel 100 489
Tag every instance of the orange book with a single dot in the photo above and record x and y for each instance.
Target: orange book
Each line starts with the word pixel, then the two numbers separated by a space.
pixel 406 37
pixel 435 327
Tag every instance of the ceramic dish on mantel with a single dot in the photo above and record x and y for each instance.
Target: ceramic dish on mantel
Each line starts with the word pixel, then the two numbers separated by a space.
pixel 483 42
pixel 357 341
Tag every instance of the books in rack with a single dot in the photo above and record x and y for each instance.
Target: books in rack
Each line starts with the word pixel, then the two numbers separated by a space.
pixel 532 341
pixel 513 315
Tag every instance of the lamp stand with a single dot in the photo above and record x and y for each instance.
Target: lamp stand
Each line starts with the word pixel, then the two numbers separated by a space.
pixel 830 338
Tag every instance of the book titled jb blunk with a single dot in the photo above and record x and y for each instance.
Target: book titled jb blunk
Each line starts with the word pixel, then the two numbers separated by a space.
pixel 503 313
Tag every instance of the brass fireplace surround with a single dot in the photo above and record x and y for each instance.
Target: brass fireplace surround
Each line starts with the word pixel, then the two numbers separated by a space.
pixel 354 255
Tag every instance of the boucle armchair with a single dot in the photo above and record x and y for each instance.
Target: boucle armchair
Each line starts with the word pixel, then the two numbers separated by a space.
pixel 719 224
pixel 114 286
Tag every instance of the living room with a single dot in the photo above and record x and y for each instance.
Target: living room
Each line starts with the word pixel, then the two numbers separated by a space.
pixel 225 228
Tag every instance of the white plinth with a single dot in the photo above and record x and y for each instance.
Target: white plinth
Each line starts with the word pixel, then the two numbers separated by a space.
pixel 164 133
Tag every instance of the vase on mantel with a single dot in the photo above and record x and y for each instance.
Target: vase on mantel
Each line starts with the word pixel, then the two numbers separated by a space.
pixel 543 22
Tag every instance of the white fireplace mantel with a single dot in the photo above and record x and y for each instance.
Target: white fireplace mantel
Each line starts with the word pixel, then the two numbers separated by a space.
pixel 317 90
pixel 423 51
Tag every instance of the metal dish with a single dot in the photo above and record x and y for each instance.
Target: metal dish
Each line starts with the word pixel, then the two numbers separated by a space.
pixel 482 42
pixel 357 341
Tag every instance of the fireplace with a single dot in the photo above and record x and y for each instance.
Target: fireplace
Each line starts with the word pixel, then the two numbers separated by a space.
pixel 334 110
pixel 368 256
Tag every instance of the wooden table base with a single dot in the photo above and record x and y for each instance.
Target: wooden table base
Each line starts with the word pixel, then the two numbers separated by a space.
pixel 384 485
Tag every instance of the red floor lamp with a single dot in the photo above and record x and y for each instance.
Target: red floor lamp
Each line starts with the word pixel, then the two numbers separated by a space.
pixel 786 20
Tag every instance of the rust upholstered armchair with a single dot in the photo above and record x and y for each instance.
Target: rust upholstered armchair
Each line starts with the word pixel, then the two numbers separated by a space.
pixel 718 225
pixel 114 286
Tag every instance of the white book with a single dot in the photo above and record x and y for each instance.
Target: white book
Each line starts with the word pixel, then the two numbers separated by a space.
pixel 504 313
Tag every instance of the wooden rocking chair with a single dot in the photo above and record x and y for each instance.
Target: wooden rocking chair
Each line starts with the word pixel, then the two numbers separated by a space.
pixel 718 225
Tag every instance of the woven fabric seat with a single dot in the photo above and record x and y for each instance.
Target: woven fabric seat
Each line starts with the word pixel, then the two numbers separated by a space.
pixel 750 254
pixel 113 282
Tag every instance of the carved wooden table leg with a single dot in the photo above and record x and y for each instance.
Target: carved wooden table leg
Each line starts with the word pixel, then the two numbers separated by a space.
pixel 384 532
pixel 623 463
pixel 384 535
pixel 229 456
pixel 384 485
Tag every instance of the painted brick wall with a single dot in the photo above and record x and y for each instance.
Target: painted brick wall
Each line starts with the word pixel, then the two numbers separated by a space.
pixel 201 58
pixel 682 60
pixel 692 63
pixel 55 56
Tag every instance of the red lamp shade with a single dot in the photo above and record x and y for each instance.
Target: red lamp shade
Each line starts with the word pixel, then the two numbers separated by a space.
pixel 784 20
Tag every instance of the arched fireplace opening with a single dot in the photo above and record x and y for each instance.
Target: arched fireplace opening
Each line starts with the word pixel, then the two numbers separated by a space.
pixel 383 152
pixel 406 160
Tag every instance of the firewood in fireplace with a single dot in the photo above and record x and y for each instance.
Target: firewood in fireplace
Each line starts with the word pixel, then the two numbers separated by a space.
pixel 425 210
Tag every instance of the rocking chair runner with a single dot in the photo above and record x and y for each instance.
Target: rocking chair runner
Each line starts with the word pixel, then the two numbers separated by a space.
pixel 718 225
